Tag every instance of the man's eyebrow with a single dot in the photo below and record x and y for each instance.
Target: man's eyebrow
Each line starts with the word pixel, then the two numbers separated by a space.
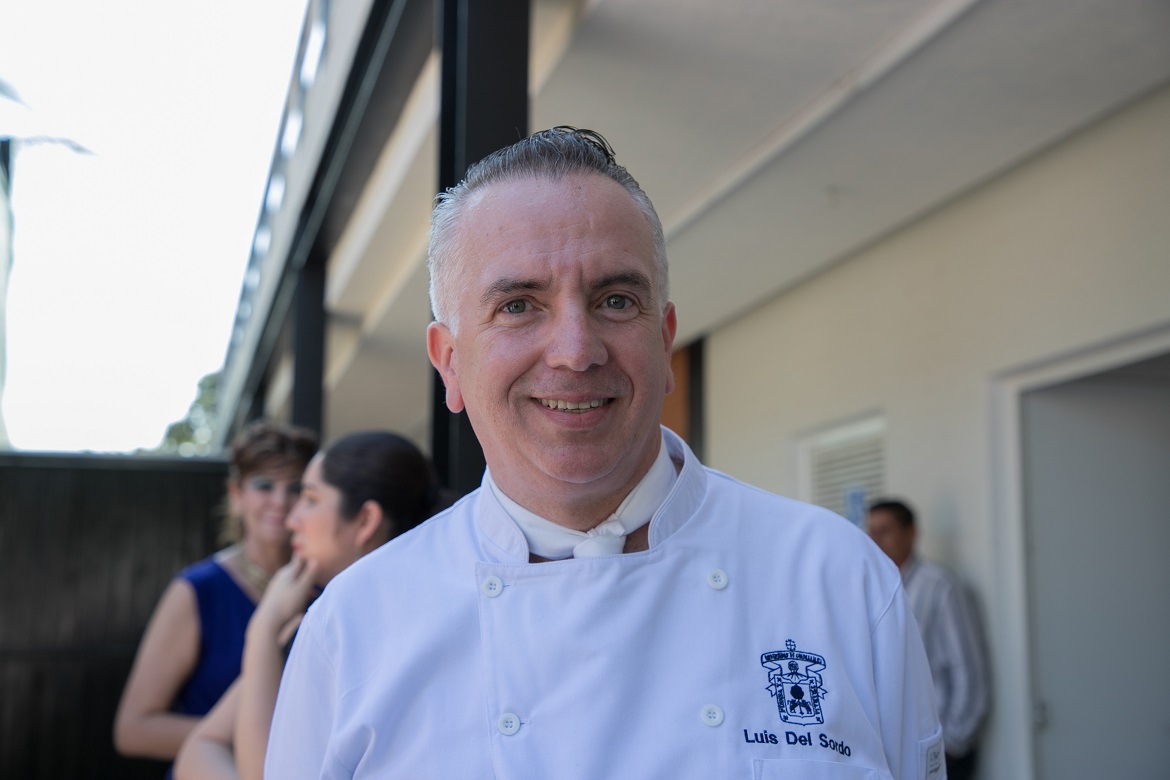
pixel 502 288
pixel 634 279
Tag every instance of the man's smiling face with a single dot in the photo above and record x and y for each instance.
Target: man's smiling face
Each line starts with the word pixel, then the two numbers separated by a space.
pixel 562 355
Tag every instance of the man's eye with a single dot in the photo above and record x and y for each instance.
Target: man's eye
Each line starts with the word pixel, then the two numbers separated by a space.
pixel 515 307
pixel 261 484
pixel 617 302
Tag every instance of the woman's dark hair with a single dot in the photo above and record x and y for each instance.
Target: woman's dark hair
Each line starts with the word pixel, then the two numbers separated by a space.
pixel 386 468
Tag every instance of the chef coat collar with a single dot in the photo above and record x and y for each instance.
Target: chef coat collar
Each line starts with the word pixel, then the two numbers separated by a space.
pixel 556 542
pixel 504 536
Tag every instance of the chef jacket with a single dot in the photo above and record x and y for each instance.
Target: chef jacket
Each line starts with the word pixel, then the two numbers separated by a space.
pixel 757 637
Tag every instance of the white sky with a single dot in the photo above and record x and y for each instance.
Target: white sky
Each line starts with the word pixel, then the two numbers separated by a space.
pixel 128 263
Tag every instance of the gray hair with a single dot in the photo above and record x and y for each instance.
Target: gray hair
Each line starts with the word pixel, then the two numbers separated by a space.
pixel 552 154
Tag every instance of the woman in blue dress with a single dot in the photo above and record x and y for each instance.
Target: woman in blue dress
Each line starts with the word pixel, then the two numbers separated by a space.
pixel 361 491
pixel 192 648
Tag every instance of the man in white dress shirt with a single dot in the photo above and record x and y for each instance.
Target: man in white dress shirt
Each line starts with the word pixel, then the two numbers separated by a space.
pixel 604 606
pixel 951 633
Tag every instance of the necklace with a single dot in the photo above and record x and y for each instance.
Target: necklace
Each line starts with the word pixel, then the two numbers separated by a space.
pixel 252 572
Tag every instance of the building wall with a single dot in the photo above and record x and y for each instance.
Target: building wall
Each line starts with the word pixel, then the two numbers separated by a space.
pixel 1067 252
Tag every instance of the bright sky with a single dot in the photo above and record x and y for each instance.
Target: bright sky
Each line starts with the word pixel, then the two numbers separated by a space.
pixel 128 262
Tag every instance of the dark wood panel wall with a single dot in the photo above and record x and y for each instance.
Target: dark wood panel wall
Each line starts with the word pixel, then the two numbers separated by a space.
pixel 87 545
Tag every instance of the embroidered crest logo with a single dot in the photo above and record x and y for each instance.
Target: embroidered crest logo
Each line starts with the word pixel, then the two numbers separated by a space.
pixel 794 682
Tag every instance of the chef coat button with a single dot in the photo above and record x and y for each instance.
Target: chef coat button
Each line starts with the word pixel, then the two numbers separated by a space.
pixel 712 715
pixel 508 724
pixel 717 579
pixel 492 586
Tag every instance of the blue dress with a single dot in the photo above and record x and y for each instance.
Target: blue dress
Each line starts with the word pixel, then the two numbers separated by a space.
pixel 224 612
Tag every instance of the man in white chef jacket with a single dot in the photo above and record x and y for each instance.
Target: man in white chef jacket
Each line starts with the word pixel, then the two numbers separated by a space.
pixel 603 606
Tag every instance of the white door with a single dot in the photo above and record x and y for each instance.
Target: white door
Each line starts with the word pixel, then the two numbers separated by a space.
pixel 1097 514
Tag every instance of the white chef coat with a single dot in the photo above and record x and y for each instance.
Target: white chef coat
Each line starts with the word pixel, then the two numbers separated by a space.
pixel 757 637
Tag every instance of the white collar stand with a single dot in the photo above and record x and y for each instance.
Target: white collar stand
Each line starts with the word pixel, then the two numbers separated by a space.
pixel 554 542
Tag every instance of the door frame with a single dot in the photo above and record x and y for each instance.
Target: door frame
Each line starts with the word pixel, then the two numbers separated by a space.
pixel 1013 656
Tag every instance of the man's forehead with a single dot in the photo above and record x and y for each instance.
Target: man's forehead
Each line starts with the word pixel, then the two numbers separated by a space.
pixel 887 520
pixel 536 228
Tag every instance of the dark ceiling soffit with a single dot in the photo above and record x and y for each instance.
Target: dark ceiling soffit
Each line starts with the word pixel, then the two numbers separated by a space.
pixel 398 37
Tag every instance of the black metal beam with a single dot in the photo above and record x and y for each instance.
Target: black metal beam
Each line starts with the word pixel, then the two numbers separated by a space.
pixel 484 107
pixel 308 346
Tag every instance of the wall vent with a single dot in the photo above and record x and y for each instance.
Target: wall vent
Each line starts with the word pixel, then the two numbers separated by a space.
pixel 843 468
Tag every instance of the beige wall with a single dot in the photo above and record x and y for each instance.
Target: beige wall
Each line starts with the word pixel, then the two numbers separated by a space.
pixel 1067 252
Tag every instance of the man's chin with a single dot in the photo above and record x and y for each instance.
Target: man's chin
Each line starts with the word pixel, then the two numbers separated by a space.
pixel 588 467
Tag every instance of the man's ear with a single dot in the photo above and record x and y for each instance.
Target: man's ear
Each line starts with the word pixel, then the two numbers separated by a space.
pixel 441 350
pixel 669 326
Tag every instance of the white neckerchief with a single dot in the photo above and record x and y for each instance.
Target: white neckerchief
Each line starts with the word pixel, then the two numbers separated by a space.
pixel 554 542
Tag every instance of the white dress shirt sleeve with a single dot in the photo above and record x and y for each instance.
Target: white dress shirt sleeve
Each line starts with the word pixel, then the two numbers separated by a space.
pixel 962 667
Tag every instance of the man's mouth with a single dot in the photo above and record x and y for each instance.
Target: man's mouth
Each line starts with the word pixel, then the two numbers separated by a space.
pixel 572 406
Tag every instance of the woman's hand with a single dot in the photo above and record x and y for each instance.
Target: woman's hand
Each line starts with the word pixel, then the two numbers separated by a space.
pixel 287 595
pixel 277 614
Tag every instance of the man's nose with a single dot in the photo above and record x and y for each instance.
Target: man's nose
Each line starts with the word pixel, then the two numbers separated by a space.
pixel 576 342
